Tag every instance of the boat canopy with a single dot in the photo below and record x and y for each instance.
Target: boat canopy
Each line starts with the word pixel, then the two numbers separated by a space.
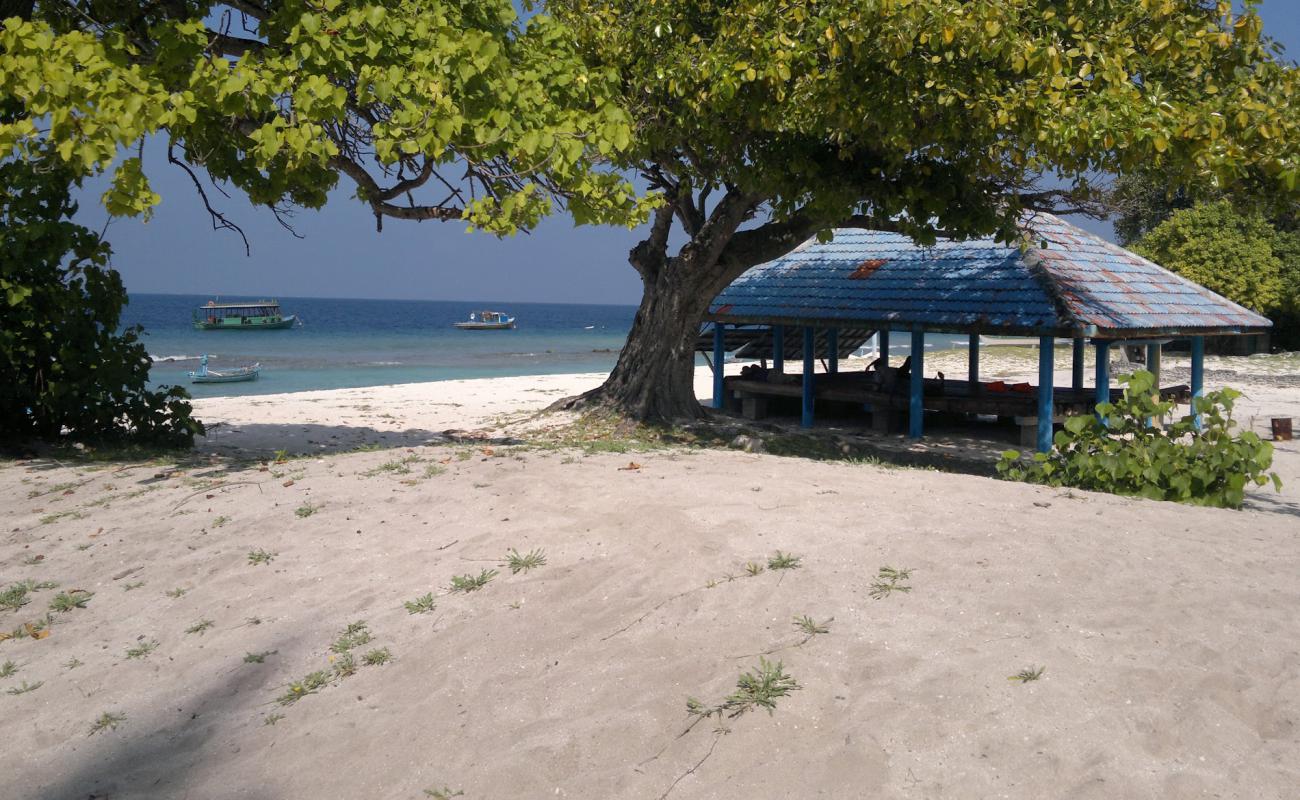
pixel 261 308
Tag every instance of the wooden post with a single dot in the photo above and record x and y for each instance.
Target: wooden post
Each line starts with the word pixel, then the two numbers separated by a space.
pixel 974 356
pixel 1153 366
pixel 833 348
pixel 778 348
pixel 719 355
pixel 808 366
pixel 1076 372
pixel 916 406
pixel 882 336
pixel 1198 376
pixel 1103 375
pixel 1046 406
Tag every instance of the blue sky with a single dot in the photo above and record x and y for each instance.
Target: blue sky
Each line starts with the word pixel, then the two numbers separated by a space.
pixel 343 256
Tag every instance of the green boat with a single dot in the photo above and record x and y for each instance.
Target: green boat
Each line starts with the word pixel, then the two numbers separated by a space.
pixel 260 316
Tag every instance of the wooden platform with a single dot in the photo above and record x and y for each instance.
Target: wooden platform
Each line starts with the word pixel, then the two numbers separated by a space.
pixel 888 407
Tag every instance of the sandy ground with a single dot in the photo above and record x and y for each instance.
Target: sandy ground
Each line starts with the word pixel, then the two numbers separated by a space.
pixel 1168 634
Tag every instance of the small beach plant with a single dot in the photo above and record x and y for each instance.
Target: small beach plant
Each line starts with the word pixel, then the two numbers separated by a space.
pixel 376 657
pixel 523 563
pixel 782 560
pixel 472 583
pixel 64 602
pixel 890 580
pixel 306 510
pixel 1028 674
pixel 758 688
pixel 1121 452
pixel 260 556
pixel 200 627
pixel 106 722
pixel 420 605
pixel 8 669
pixel 25 688
pixel 142 650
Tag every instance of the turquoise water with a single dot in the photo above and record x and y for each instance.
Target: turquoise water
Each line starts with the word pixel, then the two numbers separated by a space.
pixel 352 343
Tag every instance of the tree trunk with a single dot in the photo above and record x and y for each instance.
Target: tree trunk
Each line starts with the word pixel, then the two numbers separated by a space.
pixel 654 379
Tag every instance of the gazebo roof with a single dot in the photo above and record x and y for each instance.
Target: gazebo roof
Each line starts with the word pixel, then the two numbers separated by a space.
pixel 1064 281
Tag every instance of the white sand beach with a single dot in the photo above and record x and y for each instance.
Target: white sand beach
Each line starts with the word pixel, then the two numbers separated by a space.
pixel 1167 635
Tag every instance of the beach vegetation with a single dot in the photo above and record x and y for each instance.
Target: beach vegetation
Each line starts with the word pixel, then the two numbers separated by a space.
pixel 1120 451
pixel 472 583
pixel 753 569
pixel 524 562
pixel 64 602
pixel 8 669
pixel 106 722
pixel 420 605
pixel 353 636
pixel 889 580
pixel 15 597
pixel 1028 674
pixel 306 510
pixel 72 372
pixel 220 521
pixel 257 658
pixel 310 684
pixel 142 650
pixel 272 718
pixel 760 687
pixel 73 663
pixel 810 627
pixel 200 627
pixel 25 688
pixel 179 592
pixel 132 586
pixel 780 560
pixel 377 657
pixel 444 793
pixel 255 557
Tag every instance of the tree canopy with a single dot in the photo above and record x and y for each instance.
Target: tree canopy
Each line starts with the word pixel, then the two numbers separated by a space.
pixel 436 109
pixel 764 122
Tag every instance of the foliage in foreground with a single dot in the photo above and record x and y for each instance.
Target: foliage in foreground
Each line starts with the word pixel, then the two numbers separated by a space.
pixel 68 373
pixel 1210 466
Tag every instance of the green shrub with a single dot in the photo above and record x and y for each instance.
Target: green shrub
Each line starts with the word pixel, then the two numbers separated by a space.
pixel 1209 466
pixel 69 373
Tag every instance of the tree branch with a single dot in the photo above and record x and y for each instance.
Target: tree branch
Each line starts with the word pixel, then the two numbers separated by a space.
pixel 219 220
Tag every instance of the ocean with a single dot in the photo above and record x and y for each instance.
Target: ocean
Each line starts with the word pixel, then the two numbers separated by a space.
pixel 353 343
pixel 345 343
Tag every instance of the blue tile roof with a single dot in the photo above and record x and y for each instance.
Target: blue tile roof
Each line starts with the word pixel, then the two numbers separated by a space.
pixel 1064 281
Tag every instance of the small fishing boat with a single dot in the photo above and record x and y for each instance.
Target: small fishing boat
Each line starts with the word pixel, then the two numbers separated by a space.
pixel 486 321
pixel 260 316
pixel 205 375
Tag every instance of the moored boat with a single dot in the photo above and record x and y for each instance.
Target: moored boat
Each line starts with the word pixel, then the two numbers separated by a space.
pixel 486 321
pixel 261 315
pixel 205 375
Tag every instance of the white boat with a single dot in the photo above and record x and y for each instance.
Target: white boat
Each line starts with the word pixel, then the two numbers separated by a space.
pixel 205 375
pixel 486 321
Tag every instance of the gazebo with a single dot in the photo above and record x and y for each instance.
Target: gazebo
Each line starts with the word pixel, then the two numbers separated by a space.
pixel 1058 282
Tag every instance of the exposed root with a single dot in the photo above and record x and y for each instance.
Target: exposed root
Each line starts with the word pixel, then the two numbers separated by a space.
pixel 716 738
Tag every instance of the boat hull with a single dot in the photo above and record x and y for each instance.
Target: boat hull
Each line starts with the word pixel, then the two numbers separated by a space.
pixel 255 324
pixel 233 376
pixel 484 326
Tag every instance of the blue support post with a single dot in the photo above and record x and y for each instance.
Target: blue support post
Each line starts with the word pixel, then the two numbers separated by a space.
pixel 808 366
pixel 1103 375
pixel 974 369
pixel 1153 366
pixel 1076 371
pixel 719 356
pixel 882 337
pixel 1046 379
pixel 916 405
pixel 778 348
pixel 833 348
pixel 1198 376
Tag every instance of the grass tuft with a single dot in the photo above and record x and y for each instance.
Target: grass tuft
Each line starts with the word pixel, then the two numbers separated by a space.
pixel 376 657
pixel 890 580
pixel 8 669
pixel 310 684
pixel 808 626
pixel 354 635
pixel 258 658
pixel 1027 675
pixel 200 626
pixel 64 602
pixel 472 583
pixel 523 563
pixel 784 561
pixel 25 688
pixel 753 569
pixel 420 605
pixel 758 688
pixel 305 510
pixel 142 650
pixel 106 722
pixel 14 598
pixel 260 556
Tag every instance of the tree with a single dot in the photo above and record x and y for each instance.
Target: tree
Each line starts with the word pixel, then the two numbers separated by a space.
pixel 1223 250
pixel 67 372
pixel 435 109
pixel 763 123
